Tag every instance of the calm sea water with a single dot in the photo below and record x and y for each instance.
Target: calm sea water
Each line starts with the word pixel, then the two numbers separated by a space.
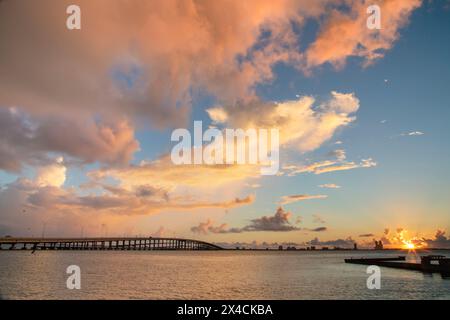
pixel 208 275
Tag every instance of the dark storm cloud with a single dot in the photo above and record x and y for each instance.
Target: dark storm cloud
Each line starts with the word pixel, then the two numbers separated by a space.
pixel 278 222
pixel 440 240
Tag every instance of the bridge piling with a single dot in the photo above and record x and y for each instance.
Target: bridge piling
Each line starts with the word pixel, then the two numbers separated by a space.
pixel 142 243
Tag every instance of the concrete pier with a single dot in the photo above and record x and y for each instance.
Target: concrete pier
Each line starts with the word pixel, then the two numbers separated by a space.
pixel 429 264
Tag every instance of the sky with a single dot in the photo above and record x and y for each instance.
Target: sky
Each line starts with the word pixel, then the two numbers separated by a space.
pixel 86 118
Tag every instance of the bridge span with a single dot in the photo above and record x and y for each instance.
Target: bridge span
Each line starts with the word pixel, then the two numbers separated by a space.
pixel 113 243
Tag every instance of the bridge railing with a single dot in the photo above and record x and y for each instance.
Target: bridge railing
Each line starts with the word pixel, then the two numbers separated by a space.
pixel 111 243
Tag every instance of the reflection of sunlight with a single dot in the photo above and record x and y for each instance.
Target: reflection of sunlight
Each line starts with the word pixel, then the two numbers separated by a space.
pixel 412 256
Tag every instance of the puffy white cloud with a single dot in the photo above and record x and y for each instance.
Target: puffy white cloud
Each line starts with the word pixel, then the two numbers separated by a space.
pixel 302 123
pixel 53 175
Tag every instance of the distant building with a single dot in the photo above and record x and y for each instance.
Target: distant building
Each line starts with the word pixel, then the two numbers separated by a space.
pixel 355 246
pixel 378 245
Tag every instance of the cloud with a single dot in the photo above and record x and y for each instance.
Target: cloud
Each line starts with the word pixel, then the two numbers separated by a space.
pixel 302 124
pixel 163 173
pixel 110 66
pixel 330 186
pixel 82 94
pixel 52 175
pixel 318 229
pixel 25 207
pixel 133 190
pixel 208 227
pixel 338 164
pixel 401 237
pixel 413 133
pixel 365 163
pixel 25 203
pixel 345 34
pixel 317 218
pixel 366 235
pixel 53 198
pixel 114 84
pixel 439 241
pixel 253 185
pixel 339 154
pixel 258 245
pixel 299 197
pixel 161 232
pixel 346 243
pixel 27 139
pixel 279 222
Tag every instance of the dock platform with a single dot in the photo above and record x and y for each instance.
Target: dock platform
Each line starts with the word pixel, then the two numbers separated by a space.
pixel 429 264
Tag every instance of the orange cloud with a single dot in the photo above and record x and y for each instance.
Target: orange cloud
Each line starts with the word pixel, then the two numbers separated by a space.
pixel 345 34
pixel 28 139
pixel 162 173
pixel 146 58
pixel 176 45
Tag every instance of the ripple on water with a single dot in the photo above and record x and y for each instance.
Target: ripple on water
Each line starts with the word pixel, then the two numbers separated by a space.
pixel 207 275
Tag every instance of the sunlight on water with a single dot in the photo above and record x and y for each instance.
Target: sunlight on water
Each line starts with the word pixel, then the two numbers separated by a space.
pixel 208 275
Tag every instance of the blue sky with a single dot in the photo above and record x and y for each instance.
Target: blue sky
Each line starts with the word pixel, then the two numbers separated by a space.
pixel 406 91
pixel 412 170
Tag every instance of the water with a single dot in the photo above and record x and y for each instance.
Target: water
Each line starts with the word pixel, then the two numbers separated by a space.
pixel 208 275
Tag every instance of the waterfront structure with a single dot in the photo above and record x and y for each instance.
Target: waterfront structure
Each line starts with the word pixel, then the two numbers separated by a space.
pixel 141 243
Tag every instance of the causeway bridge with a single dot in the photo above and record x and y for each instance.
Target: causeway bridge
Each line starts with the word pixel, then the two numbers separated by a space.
pixel 113 243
